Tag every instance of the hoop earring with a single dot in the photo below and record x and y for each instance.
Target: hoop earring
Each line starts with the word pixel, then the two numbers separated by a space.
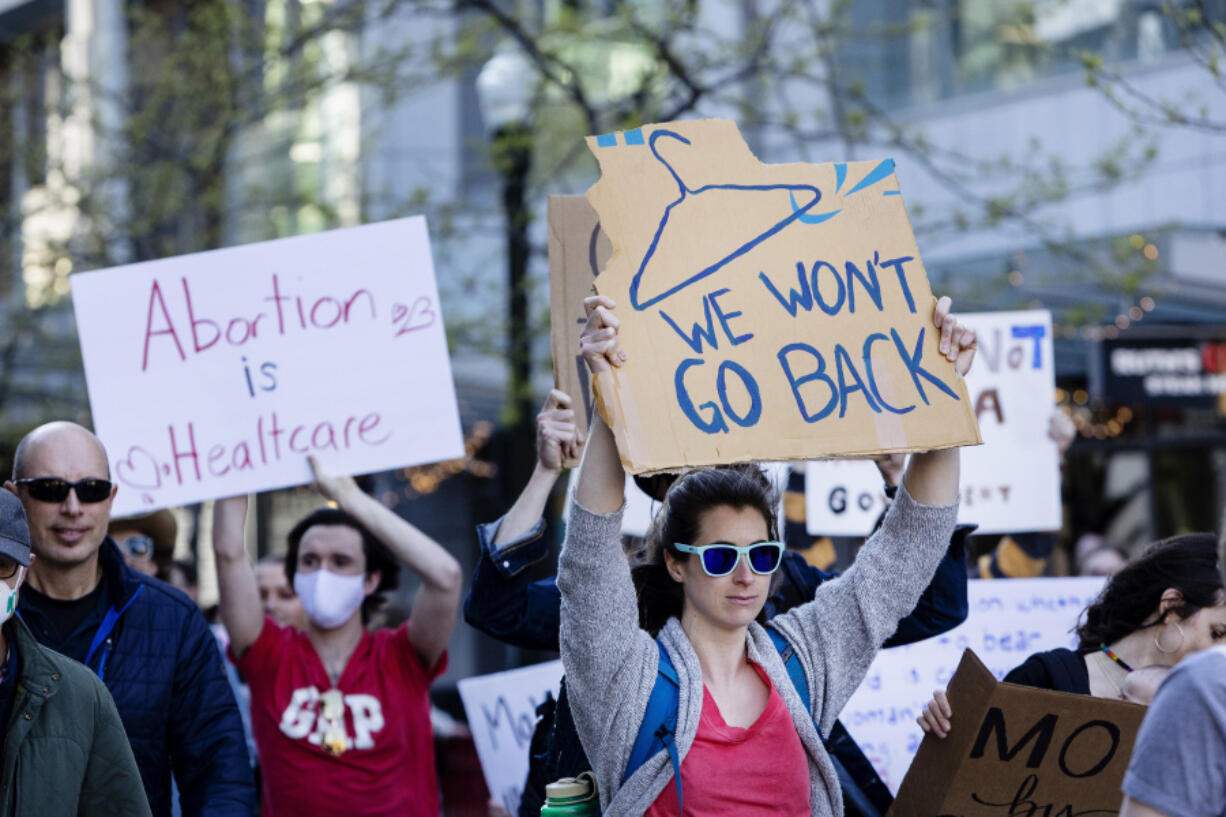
pixel 1158 641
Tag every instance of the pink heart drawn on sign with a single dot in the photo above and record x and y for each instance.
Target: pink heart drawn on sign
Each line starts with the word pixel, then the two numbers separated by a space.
pixel 419 316
pixel 138 468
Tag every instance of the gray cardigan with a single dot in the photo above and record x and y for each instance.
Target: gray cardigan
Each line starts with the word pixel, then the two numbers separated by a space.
pixel 611 664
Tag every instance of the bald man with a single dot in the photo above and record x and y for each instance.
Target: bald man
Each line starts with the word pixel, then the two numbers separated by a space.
pixel 145 640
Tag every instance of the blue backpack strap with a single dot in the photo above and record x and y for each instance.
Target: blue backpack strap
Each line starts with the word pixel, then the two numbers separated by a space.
pixel 659 726
pixel 795 671
pixel 855 800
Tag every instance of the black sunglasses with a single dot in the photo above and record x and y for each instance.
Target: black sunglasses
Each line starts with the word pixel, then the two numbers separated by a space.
pixel 54 489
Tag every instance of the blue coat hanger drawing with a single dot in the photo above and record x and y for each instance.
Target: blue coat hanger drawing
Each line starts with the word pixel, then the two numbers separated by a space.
pixel 801 211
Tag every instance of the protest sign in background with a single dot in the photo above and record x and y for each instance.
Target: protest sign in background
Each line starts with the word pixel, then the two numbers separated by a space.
pixel 1011 483
pixel 1009 620
pixel 215 374
pixel 578 250
pixel 770 312
pixel 1016 750
pixel 501 710
pixel 842 497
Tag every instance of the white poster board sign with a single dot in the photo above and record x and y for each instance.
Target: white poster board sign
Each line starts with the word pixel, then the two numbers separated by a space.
pixel 501 710
pixel 1010 619
pixel 1011 483
pixel 216 373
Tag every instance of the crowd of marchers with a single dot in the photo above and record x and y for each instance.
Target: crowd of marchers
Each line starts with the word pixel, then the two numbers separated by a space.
pixel 705 665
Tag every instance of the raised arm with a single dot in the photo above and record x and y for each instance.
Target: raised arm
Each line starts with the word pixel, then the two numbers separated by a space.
pixel 944 603
pixel 839 633
pixel 602 480
pixel 558 439
pixel 932 476
pixel 503 602
pixel 433 617
pixel 600 639
pixel 241 612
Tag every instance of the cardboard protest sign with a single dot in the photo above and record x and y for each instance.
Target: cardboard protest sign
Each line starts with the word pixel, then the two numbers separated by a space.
pixel 1011 483
pixel 770 312
pixel 1008 621
pixel 578 250
pixel 501 710
pixel 216 374
pixel 1015 750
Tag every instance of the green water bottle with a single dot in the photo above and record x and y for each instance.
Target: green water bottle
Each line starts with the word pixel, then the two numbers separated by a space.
pixel 572 797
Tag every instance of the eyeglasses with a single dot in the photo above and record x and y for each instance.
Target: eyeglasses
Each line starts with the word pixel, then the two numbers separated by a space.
pixel 720 558
pixel 54 489
pixel 8 566
pixel 138 545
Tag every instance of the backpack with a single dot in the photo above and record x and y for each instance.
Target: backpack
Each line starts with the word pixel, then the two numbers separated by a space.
pixel 659 726
pixel 555 751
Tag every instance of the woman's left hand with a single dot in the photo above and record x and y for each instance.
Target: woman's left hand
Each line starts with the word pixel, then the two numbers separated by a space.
pixel 958 342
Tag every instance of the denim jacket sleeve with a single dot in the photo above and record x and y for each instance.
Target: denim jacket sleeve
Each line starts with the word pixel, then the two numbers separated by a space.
pixel 502 602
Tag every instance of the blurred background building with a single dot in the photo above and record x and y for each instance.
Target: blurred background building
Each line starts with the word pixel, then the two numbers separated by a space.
pixel 1055 154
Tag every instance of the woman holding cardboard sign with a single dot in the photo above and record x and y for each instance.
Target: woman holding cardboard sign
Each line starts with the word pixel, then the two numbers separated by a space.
pixel 711 712
pixel 1162 607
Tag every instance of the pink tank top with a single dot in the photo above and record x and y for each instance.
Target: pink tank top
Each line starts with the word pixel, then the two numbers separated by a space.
pixel 761 770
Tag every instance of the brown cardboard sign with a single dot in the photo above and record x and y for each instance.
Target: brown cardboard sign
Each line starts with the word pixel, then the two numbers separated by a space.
pixel 1016 750
pixel 578 250
pixel 770 312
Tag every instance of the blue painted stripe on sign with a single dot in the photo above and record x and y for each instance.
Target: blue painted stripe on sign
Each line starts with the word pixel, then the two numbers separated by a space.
pixel 881 171
pixel 892 193
pixel 634 137
pixel 607 140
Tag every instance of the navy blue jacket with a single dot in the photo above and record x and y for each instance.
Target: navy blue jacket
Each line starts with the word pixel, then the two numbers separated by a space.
pixel 162 666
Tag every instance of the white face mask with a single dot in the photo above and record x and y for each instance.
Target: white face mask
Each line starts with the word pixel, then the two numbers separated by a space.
pixel 329 599
pixel 8 596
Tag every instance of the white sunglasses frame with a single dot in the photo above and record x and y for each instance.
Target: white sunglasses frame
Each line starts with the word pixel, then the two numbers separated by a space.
pixel 742 551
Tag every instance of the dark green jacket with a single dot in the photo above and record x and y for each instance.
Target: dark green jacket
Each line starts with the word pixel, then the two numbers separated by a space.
pixel 65 751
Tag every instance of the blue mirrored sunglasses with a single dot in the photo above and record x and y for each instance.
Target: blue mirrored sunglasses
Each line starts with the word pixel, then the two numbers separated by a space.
pixel 720 559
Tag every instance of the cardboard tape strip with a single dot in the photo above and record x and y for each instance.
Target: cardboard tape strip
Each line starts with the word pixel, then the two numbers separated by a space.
pixel 891 433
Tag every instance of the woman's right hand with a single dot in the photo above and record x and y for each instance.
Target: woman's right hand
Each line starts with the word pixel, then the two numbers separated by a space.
pixel 598 341
pixel 936 716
